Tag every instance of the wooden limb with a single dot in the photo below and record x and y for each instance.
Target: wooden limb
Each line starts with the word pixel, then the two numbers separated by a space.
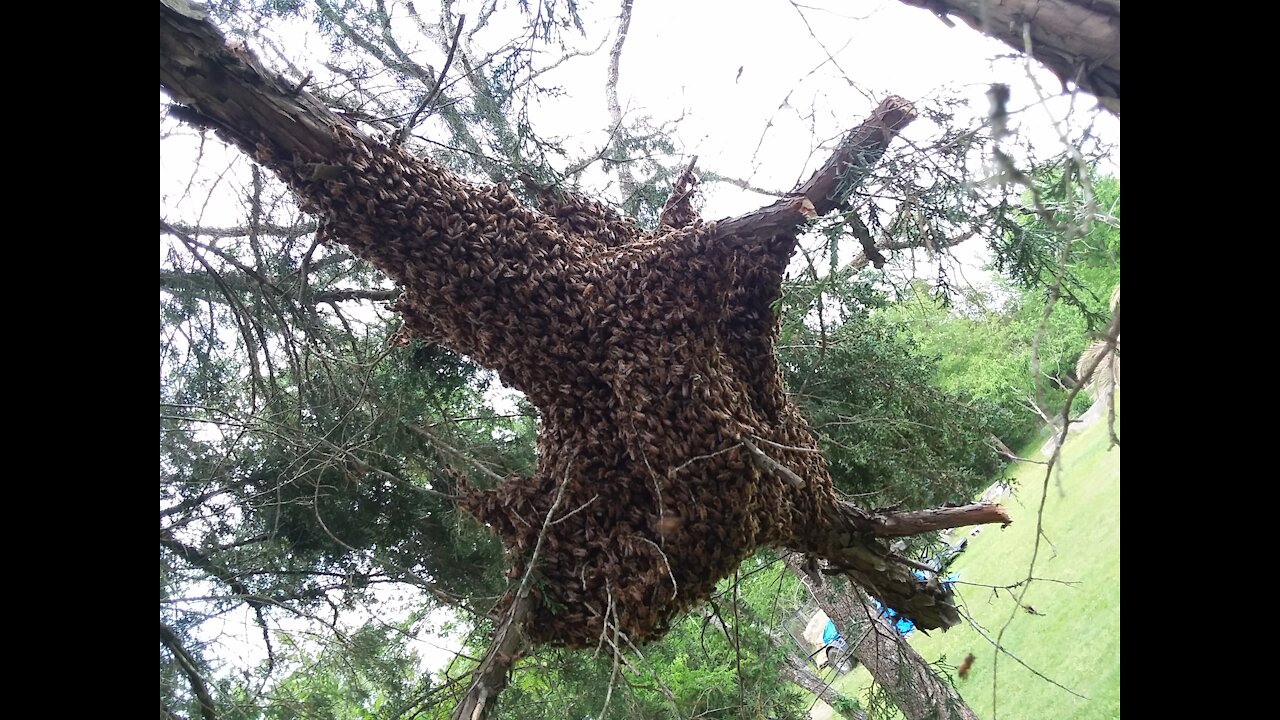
pixel 831 184
pixel 208 711
pixel 910 682
pixel 780 217
pixel 1078 41
pixel 848 166
pixel 491 676
pixel 231 88
pixel 919 521
pixel 860 231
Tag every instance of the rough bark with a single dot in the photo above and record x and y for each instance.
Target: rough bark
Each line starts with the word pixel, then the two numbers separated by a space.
pixel 830 185
pixel 918 691
pixel 208 710
pixel 1079 40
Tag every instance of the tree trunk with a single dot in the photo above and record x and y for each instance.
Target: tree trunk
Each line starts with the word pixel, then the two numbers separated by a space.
pixel 918 691
pixel 797 671
pixel 1079 40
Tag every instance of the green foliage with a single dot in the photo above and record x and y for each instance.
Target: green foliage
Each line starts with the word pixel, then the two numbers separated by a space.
pixel 986 350
pixel 847 706
pixel 369 674
pixel 1064 240
pixel 306 468
pixel 888 434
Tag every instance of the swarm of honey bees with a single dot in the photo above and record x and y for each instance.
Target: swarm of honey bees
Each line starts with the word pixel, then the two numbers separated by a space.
pixel 668 448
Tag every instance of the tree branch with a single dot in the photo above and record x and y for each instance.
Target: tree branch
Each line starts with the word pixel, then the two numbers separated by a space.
pixel 435 91
pixel 208 710
pixel 1078 40
pixel 237 231
pixel 920 521
pixel 829 186
pixel 626 181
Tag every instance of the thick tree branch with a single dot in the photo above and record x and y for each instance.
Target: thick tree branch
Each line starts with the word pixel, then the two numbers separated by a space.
pixel 1078 40
pixel 781 217
pixel 829 187
pixel 914 686
pixel 797 669
pixel 920 521
pixel 491 676
pixel 197 65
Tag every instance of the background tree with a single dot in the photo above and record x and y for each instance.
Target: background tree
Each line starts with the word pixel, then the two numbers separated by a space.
pixel 1004 350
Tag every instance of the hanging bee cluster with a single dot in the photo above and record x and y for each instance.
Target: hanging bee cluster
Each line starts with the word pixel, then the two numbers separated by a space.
pixel 668 449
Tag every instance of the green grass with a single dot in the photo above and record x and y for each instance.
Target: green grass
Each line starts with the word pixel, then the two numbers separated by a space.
pixel 1076 640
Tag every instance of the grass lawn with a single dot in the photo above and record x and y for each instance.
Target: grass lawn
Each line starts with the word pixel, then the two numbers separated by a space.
pixel 1076 638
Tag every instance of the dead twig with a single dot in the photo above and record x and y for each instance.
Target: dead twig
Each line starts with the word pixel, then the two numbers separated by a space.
pixel 435 91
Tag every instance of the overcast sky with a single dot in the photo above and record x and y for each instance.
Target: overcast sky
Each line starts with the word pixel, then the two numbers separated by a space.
pixel 796 89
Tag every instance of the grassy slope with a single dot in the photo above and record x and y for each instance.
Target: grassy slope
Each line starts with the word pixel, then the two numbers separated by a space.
pixel 1077 640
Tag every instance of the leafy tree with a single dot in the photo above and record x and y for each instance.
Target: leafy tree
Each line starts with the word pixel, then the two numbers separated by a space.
pixel 986 349
pixel 906 442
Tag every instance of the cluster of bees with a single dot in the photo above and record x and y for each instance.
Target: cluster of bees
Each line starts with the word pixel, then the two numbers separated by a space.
pixel 651 358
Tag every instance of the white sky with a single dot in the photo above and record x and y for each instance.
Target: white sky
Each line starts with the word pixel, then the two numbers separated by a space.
pixel 683 56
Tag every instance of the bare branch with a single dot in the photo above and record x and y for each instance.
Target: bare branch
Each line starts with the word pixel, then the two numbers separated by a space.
pixel 626 181
pixel 208 710
pixel 783 471
pixel 920 521
pixel 235 231
pixel 435 91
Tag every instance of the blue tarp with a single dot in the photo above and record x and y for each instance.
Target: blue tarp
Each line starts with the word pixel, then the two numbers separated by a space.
pixel 829 633
pixel 905 626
